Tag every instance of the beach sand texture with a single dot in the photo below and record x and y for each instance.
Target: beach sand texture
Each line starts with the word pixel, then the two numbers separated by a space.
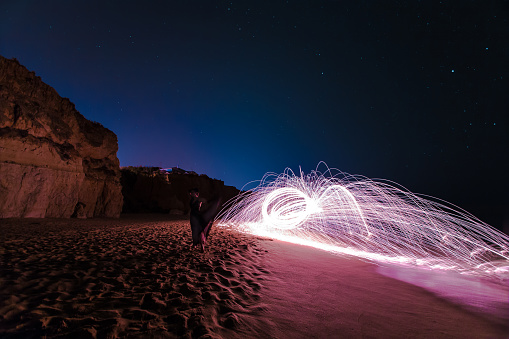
pixel 137 277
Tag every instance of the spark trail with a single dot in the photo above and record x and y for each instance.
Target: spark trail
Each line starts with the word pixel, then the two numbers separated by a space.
pixel 373 219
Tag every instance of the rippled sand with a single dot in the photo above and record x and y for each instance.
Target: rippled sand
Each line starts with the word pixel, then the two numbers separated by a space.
pixel 137 276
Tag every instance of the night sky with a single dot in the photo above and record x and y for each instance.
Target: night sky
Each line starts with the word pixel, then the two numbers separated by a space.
pixel 411 91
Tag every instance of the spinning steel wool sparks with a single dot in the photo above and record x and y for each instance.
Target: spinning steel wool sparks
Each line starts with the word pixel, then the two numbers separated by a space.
pixel 370 219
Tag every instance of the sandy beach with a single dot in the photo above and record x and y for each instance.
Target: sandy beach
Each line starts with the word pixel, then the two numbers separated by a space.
pixel 137 277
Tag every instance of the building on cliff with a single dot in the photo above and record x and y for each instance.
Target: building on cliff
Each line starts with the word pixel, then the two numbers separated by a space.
pixel 53 161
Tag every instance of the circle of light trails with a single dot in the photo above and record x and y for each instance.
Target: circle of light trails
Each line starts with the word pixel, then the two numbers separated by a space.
pixel 370 219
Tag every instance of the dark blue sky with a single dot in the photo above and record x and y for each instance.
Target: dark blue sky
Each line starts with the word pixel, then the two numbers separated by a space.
pixel 411 91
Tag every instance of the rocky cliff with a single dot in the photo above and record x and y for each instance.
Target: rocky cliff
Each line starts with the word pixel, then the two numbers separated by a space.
pixel 53 161
pixel 150 189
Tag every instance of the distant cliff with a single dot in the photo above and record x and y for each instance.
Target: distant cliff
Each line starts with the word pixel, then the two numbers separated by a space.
pixel 150 189
pixel 53 161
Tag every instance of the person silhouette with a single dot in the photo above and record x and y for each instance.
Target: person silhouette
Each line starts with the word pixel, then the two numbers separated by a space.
pixel 201 220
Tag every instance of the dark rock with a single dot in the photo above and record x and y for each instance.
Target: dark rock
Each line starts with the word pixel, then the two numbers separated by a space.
pixel 150 189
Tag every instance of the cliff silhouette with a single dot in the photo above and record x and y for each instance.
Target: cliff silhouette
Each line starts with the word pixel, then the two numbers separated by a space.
pixel 155 190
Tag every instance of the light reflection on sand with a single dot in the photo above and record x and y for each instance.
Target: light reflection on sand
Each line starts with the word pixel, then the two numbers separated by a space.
pixel 480 295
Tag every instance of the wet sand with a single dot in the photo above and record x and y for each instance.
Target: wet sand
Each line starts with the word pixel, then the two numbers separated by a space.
pixel 137 277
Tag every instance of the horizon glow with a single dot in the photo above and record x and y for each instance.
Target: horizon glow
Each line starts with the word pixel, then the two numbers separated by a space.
pixel 371 219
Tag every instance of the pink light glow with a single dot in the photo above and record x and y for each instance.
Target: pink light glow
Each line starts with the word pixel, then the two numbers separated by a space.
pixel 371 219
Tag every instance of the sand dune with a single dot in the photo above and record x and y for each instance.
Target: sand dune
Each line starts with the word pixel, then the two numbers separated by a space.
pixel 137 277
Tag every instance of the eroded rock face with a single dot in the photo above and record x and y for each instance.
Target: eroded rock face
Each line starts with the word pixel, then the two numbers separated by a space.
pixel 52 159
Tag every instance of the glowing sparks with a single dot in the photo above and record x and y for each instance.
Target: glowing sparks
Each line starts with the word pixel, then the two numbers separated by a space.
pixel 287 208
pixel 370 219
